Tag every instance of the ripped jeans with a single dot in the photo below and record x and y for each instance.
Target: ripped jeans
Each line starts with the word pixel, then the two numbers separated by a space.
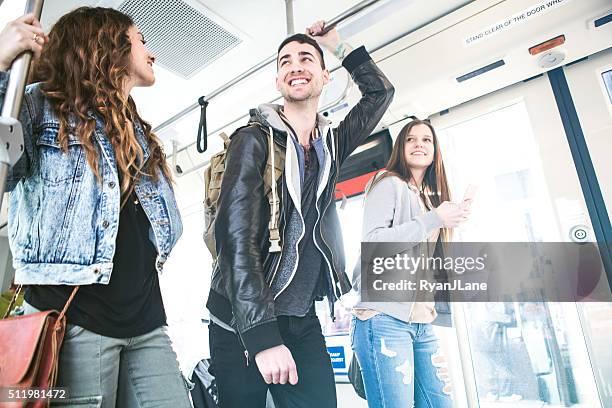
pixel 401 363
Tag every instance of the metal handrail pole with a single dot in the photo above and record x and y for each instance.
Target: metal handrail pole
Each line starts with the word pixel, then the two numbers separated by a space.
pixel 332 23
pixel 19 71
pixel 466 357
pixel 289 17
pixel 4 168
pixel 348 14
pixel 11 150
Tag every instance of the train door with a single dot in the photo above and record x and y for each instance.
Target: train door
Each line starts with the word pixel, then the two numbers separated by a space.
pixel 514 145
pixel 590 84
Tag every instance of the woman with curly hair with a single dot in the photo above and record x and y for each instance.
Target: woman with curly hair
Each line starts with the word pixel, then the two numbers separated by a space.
pixel 92 205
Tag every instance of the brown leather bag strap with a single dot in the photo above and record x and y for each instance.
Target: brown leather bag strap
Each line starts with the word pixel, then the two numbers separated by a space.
pixel 59 323
pixel 18 291
pixel 13 300
pixel 63 312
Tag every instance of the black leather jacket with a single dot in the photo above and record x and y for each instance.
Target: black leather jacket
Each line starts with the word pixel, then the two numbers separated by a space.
pixel 240 295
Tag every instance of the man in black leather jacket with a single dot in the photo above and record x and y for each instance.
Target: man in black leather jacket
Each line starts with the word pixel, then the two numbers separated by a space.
pixel 261 302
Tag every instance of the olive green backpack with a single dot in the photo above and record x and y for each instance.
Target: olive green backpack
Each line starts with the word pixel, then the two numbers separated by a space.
pixel 213 177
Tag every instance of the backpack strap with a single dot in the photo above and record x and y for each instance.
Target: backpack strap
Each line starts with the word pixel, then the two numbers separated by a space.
pixel 273 199
pixel 276 158
pixel 225 138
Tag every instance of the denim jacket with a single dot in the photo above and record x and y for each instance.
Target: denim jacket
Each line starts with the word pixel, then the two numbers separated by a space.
pixel 63 222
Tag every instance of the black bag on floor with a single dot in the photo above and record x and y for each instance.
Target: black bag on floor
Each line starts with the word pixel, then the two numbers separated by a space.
pixel 354 375
pixel 204 392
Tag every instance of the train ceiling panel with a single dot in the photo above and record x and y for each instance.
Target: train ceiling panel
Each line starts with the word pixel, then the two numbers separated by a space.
pixel 485 46
pixel 195 38
pixel 260 27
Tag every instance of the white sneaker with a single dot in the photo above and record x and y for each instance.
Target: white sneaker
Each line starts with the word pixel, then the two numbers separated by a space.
pixel 491 396
pixel 511 398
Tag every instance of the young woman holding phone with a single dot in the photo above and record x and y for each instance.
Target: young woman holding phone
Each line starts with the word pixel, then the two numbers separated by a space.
pixel 394 342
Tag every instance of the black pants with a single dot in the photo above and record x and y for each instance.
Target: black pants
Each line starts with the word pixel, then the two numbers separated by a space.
pixel 242 386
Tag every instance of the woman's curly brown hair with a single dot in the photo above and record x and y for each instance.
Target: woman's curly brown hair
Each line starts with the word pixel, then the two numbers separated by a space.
pixel 83 70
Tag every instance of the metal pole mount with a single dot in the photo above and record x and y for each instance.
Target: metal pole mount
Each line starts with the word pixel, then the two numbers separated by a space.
pixel 11 133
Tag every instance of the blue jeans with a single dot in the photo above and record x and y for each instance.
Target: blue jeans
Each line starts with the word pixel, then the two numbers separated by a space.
pixel 137 372
pixel 401 363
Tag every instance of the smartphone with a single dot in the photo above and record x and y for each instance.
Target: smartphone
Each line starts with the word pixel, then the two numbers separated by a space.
pixel 470 193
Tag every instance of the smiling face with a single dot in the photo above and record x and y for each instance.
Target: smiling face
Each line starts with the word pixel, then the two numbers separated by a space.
pixel 141 60
pixel 300 76
pixel 419 147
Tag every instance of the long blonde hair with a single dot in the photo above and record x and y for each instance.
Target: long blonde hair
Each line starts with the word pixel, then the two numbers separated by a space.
pixel 83 70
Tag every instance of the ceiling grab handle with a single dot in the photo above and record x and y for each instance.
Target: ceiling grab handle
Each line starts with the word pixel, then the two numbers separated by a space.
pixel 202 142
pixel 11 135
